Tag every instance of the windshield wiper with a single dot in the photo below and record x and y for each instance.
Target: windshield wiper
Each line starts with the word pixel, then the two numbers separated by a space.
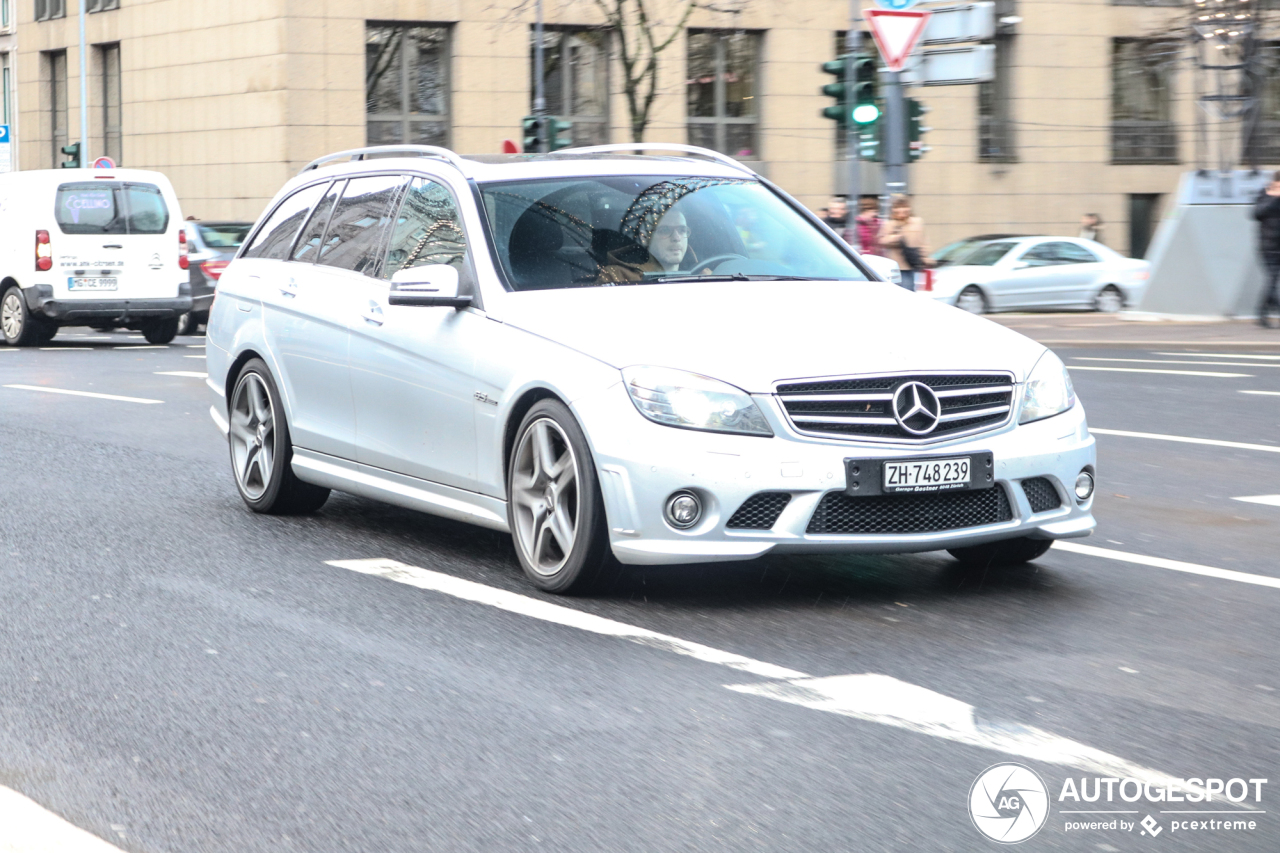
pixel 736 276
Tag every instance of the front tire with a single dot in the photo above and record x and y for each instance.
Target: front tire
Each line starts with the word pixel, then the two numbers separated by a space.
pixel 160 331
pixel 1010 552
pixel 554 506
pixel 21 328
pixel 261 451
pixel 973 300
pixel 1109 300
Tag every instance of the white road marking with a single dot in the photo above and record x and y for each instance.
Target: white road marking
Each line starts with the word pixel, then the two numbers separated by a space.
pixel 1162 563
pixel 141 346
pixel 1263 393
pixel 194 346
pixel 83 394
pixel 1173 361
pixel 1169 372
pixel 188 373
pixel 195 356
pixel 28 827
pixel 67 349
pixel 1213 442
pixel 1222 355
pixel 1265 500
pixel 871 697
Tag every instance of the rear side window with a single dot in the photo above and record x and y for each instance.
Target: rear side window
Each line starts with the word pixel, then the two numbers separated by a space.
pixel 110 207
pixel 359 223
pixel 1070 253
pixel 308 247
pixel 224 235
pixel 987 255
pixel 275 237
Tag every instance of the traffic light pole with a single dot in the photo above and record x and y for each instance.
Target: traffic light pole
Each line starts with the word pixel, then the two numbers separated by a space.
pixel 895 136
pixel 853 177
pixel 84 92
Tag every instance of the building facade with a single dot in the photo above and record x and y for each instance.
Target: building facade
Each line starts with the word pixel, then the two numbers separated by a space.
pixel 231 98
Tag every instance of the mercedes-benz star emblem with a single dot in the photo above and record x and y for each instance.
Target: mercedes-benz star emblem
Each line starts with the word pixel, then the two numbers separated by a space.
pixel 916 408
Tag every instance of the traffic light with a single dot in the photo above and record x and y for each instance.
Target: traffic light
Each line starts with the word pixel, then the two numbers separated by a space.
pixel 866 108
pixel 73 153
pixel 531 136
pixel 869 143
pixel 558 134
pixel 838 112
pixel 916 129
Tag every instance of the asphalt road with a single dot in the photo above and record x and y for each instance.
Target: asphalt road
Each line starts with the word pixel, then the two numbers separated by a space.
pixel 182 675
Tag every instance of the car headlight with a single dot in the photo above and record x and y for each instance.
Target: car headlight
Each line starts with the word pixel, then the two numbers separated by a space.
pixel 1049 390
pixel 679 399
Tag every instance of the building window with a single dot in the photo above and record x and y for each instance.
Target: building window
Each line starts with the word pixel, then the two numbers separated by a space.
pixel 406 85
pixel 49 9
pixel 5 84
pixel 55 75
pixel 92 6
pixel 1263 144
pixel 1142 127
pixel 4 14
pixel 721 90
pixel 576 81
pixel 109 62
pixel 995 107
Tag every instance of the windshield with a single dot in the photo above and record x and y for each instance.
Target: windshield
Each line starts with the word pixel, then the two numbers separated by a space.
pixel 985 255
pixel 225 235
pixel 101 207
pixel 604 231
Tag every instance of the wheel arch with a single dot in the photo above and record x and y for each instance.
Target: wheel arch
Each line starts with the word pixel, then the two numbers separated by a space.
pixel 233 372
pixel 515 415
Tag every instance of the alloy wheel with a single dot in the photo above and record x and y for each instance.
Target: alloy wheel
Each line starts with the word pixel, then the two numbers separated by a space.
pixel 545 496
pixel 1109 301
pixel 971 300
pixel 252 435
pixel 11 315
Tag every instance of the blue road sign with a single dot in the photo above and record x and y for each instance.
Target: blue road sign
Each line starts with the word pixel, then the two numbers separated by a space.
pixel 896 5
pixel 4 133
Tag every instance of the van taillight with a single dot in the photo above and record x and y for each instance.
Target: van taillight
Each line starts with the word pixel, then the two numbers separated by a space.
pixel 183 263
pixel 44 252
pixel 213 269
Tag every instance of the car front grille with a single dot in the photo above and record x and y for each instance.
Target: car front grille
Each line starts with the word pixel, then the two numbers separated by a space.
pixel 862 407
pixel 760 511
pixel 910 513
pixel 1041 494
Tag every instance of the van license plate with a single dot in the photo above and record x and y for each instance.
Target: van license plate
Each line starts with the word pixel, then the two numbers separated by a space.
pixel 92 283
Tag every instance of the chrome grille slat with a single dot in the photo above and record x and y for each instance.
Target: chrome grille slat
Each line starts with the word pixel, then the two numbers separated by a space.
pixel 860 407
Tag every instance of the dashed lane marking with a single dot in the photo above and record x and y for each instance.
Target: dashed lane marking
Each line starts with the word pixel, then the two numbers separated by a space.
pixel 28 827
pixel 1173 361
pixel 192 374
pixel 870 696
pixel 1265 500
pixel 83 394
pixel 195 356
pixel 1223 355
pixel 1168 372
pixel 141 346
pixel 1263 393
pixel 1162 563
pixel 68 349
pixel 1213 442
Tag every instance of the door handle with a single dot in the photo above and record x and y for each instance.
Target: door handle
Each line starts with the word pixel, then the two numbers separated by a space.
pixel 112 246
pixel 289 288
pixel 373 314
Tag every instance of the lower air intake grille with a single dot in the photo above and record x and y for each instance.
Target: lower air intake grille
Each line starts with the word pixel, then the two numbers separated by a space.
pixel 760 511
pixel 1041 494
pixel 927 513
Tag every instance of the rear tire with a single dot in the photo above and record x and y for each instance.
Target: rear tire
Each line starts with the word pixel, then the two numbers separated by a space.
pixel 554 505
pixel 1010 552
pixel 46 332
pixel 187 324
pixel 1109 300
pixel 261 450
pixel 21 329
pixel 160 331
pixel 973 300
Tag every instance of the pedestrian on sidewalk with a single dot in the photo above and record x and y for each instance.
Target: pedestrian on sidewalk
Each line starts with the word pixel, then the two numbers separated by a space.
pixel 1267 211
pixel 866 228
pixel 836 214
pixel 1091 227
pixel 902 239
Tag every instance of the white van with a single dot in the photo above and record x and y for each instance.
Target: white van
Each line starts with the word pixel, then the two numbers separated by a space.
pixel 104 248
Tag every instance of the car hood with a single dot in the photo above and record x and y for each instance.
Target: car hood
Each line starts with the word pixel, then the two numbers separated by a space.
pixel 752 334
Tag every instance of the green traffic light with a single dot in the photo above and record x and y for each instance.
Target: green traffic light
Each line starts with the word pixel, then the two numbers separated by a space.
pixel 865 113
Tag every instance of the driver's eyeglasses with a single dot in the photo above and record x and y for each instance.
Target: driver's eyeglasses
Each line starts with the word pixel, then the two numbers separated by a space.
pixel 671 231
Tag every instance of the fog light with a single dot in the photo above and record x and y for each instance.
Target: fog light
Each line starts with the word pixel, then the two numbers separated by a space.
pixel 683 510
pixel 1084 486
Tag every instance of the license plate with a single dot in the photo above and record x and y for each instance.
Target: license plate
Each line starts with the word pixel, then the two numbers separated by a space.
pixel 929 475
pixel 868 477
pixel 92 283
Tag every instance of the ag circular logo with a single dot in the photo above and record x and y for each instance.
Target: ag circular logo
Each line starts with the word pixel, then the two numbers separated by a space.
pixel 1008 803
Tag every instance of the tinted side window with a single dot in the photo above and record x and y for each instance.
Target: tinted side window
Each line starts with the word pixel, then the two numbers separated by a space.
pixel 359 223
pixel 428 230
pixel 1040 256
pixel 275 237
pixel 1070 253
pixel 308 247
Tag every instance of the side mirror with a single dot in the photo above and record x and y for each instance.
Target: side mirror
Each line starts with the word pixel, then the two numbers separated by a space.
pixel 886 268
pixel 431 286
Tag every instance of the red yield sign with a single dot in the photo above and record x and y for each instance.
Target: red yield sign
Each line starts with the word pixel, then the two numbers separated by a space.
pixel 896 34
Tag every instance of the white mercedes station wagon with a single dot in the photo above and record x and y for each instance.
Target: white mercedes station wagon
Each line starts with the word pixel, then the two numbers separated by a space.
pixel 664 358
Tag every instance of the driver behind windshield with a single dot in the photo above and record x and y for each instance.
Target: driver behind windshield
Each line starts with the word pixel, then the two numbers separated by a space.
pixel 665 250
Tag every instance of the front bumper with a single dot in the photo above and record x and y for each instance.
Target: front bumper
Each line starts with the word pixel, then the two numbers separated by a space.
pixel 641 464
pixel 70 311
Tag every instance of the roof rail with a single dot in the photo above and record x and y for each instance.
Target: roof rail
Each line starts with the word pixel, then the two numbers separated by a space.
pixel 385 150
pixel 661 146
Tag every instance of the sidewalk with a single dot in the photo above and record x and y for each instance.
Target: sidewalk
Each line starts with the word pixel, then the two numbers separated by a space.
pixel 1081 329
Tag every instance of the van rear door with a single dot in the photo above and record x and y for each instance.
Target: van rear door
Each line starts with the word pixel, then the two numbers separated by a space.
pixel 114 242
